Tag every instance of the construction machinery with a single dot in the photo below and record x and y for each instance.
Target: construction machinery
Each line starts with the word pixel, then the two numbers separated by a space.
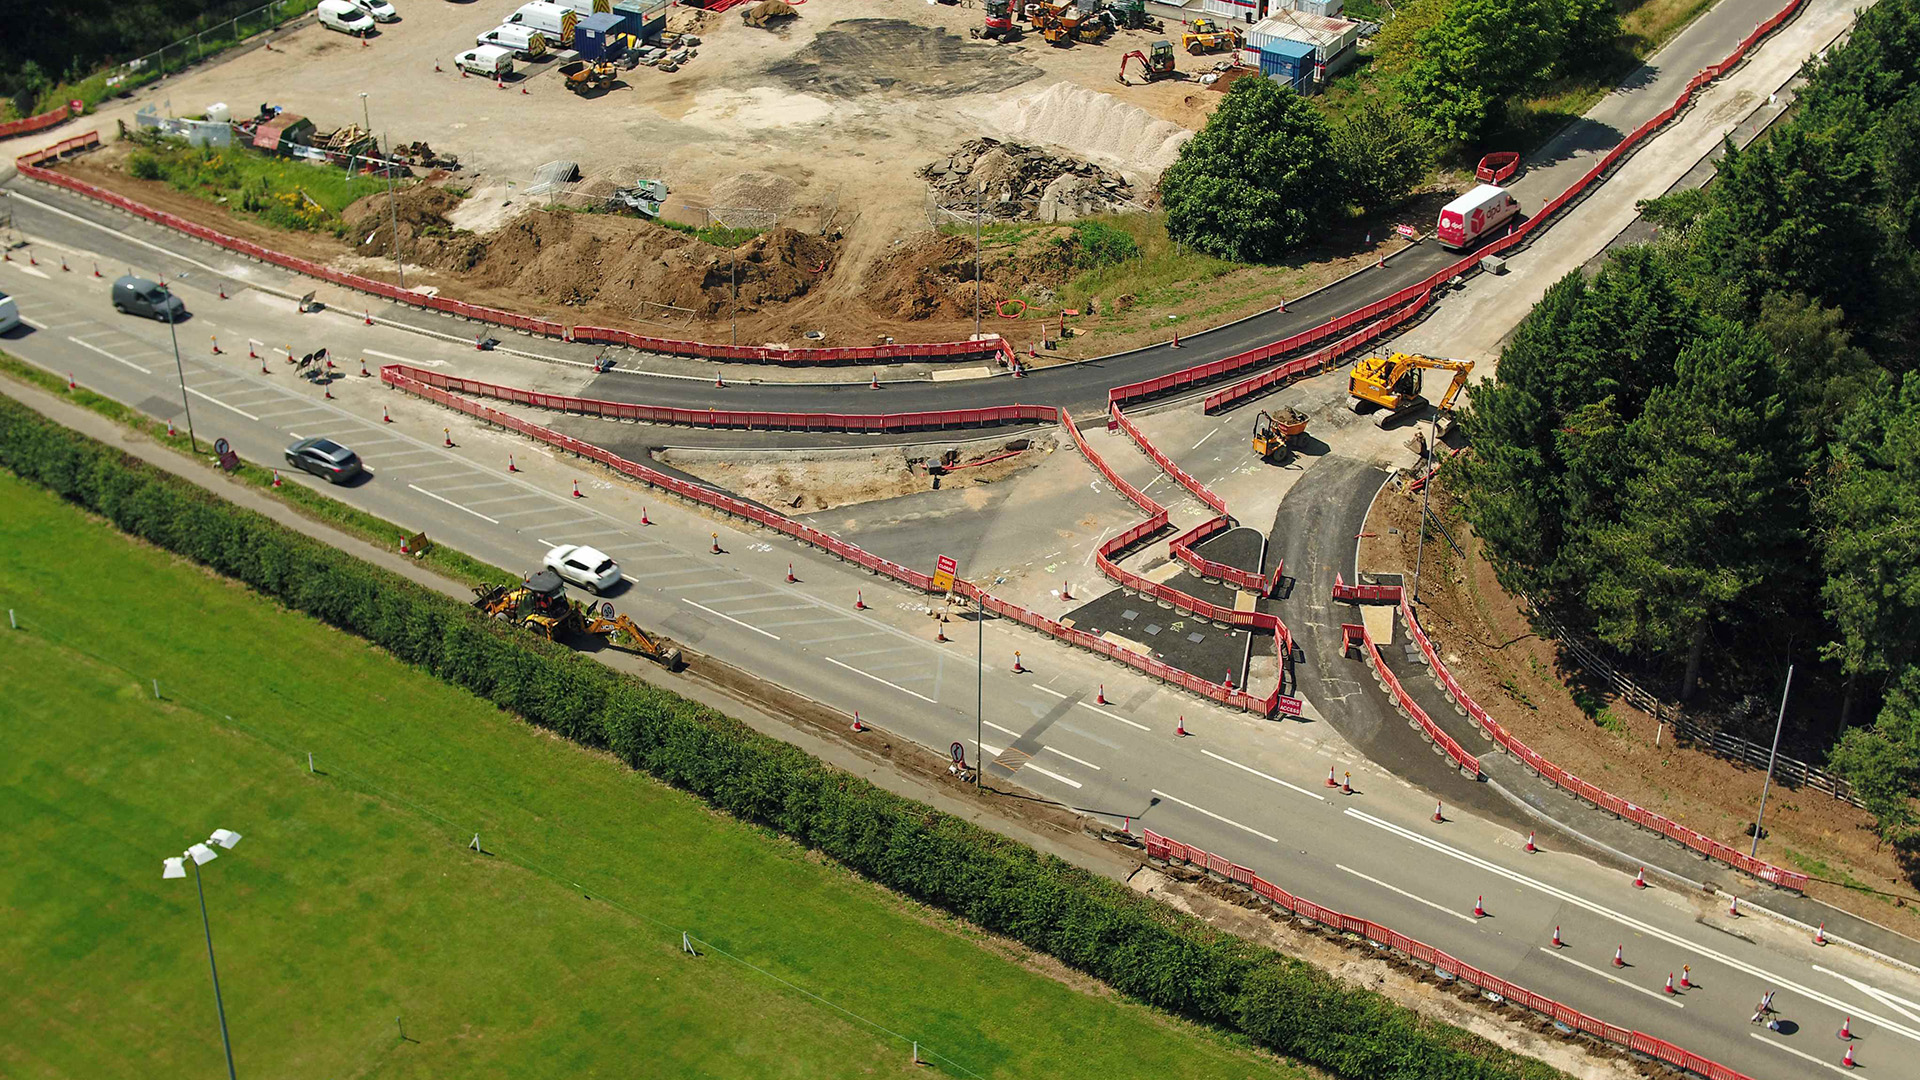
pixel 540 604
pixel 999 24
pixel 1156 63
pixel 1392 385
pixel 1094 27
pixel 583 76
pixel 1207 37
pixel 1274 440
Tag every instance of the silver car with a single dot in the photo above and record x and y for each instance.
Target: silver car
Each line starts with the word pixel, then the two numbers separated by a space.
pixel 324 458
pixel 587 567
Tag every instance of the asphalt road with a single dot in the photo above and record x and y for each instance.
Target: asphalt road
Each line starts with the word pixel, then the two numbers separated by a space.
pixel 1254 791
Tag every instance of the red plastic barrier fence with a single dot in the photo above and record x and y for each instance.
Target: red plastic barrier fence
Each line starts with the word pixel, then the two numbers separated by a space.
pixel 1554 774
pixel 1497 168
pixel 1412 708
pixel 1165 850
pixel 1313 362
pixel 45 120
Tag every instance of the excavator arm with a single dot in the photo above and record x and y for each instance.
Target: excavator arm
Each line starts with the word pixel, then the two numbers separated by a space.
pixel 1460 369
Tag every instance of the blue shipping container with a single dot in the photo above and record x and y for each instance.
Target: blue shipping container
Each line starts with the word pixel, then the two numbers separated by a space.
pixel 596 36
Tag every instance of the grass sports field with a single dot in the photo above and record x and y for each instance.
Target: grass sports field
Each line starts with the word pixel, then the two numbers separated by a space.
pixel 353 901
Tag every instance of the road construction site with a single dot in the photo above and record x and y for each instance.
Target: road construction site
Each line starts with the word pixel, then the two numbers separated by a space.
pixel 1050 721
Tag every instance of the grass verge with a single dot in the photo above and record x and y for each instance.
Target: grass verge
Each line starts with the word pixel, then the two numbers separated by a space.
pixel 353 900
pixel 311 504
pixel 281 191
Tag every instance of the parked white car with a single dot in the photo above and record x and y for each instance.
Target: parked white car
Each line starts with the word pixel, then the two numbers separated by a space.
pixel 9 313
pixel 341 15
pixel 380 10
pixel 587 567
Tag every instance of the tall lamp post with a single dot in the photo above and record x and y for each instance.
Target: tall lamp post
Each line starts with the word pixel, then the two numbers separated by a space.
pixel 179 369
pixel 175 867
pixel 393 209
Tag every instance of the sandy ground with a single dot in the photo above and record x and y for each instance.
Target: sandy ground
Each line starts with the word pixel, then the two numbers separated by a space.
pixel 1518 676
pixel 810 480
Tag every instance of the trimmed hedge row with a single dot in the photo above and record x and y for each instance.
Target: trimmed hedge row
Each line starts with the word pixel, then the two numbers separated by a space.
pixel 1138 946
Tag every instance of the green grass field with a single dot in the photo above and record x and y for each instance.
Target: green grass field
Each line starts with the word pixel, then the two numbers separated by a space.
pixel 353 900
pixel 283 191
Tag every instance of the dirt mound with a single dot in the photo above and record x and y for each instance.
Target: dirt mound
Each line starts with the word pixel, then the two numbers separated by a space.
pixel 932 276
pixel 1024 182
pixel 756 191
pixel 426 234
pixel 625 264
pixel 856 58
pixel 1096 125
pixel 822 480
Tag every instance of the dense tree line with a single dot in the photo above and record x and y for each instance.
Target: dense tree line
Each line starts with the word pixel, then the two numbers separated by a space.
pixel 1137 945
pixel 1461 63
pixel 49 42
pixel 1708 454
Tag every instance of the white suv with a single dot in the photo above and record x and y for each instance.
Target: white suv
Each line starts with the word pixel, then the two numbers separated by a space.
pixel 587 567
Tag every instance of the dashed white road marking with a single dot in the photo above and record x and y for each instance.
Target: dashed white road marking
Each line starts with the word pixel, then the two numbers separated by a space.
pixel 1113 716
pixel 1396 889
pixel 217 401
pixel 1657 995
pixel 1264 776
pixel 869 675
pixel 453 504
pixel 1216 817
pixel 729 618
pixel 1070 757
pixel 1796 1053
pixel 108 355
pixel 1050 773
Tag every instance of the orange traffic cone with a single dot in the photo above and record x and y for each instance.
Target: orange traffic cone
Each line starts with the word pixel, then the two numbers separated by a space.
pixel 511 467
pixel 1733 908
pixel 1437 815
pixel 96 269
pixel 875 384
pixel 1066 591
pixel 1557 943
pixel 1846 1027
pixel 576 491
pixel 1670 989
pixel 1530 847
pixel 857 725
pixel 1820 935
pixel 276 478
pixel 71 385
pixel 1640 878
pixel 1619 956
pixel 1847 1058
pixel 447 436
pixel 364 373
pixel 1181 727
pixel 223 290
pixel 63 265
pixel 1017 669
pixel 384 417
pixel 1331 782
pixel 215 340
pixel 1479 907
pixel 643 517
pixel 1346 784
pixel 859 601
pixel 791 580
pixel 1686 977
pixel 716 536
pixel 366 316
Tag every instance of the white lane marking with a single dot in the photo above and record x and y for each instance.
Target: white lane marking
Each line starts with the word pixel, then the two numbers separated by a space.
pixel 1046 690
pixel 1657 995
pixel 1767 977
pixel 1113 716
pixel 763 610
pixel 1204 438
pixel 1001 730
pixel 108 355
pixel 730 618
pixel 489 482
pixel 1405 893
pixel 1264 776
pixel 33 270
pixel 1891 1001
pixel 844 637
pixel 222 404
pixel 1050 773
pixel 876 678
pixel 1070 757
pixel 38 326
pixel 1797 1053
pixel 509 498
pixel 1216 817
pixel 453 504
pixel 403 359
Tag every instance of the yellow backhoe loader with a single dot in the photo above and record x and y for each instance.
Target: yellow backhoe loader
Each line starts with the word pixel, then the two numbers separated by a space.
pixel 540 604
pixel 1207 37
pixel 1392 385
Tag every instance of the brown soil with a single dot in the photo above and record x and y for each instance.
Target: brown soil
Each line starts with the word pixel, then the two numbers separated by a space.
pixel 1520 678
pixel 823 480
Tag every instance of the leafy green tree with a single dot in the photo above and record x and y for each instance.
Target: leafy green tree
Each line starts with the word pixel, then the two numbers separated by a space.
pixel 1259 180
pixel 1383 154
pixel 1592 35
pixel 1709 516
pixel 1474 60
pixel 1869 509
pixel 1882 762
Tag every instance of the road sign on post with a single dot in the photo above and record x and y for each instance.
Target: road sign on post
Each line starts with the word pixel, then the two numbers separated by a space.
pixel 943 574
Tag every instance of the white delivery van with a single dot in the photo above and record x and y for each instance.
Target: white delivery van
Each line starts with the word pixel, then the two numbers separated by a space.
pixel 1467 219
pixel 588 7
pixel 9 313
pixel 552 20
pixel 341 15
pixel 523 42
pixel 487 61
pixel 379 10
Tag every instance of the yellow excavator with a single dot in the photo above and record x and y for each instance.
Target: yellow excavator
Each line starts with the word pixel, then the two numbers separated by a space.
pixel 1274 440
pixel 1392 385
pixel 1207 37
pixel 540 604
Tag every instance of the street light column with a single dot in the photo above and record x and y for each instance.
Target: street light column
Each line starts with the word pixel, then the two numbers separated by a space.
pixel 180 370
pixel 218 1005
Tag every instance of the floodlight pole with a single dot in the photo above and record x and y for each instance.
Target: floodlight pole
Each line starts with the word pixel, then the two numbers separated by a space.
pixel 180 370
pixel 220 1007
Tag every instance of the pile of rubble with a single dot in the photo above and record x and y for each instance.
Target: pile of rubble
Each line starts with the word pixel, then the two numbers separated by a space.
pixel 1015 182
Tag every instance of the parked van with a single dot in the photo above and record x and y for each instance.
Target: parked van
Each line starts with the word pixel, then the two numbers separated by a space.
pixel 523 42
pixel 138 296
pixel 554 21
pixel 487 61
pixel 1474 215
pixel 9 313
pixel 341 15
pixel 378 10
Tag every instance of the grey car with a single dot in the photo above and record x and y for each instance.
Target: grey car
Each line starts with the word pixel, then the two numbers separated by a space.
pixel 138 296
pixel 324 458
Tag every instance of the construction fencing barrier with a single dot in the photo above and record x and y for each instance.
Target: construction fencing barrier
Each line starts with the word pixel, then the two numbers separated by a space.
pixel 1702 844
pixel 29 125
pixel 1166 851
